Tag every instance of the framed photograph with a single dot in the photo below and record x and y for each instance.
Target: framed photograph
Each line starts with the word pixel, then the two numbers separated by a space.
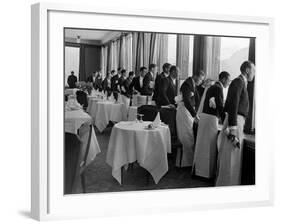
pixel 133 110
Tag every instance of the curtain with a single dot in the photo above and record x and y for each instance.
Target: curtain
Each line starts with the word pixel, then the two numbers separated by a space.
pixel 250 121
pixel 146 48
pixel 162 50
pixel 206 55
pixel 139 52
pixel 183 55
pixel 134 49
pixel 104 51
pixel 82 69
pixel 128 53
pixel 153 48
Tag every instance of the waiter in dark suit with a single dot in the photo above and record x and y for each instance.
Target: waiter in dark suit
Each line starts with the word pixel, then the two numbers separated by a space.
pixel 72 80
pixel 106 84
pixel 125 86
pixel 148 83
pixel 236 107
pixel 122 79
pixel 136 85
pixel 187 118
pixel 205 154
pixel 167 89
pixel 115 83
pixel 163 74
pixel 92 79
pixel 98 82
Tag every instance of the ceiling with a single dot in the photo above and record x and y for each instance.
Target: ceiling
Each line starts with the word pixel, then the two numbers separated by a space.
pixel 86 34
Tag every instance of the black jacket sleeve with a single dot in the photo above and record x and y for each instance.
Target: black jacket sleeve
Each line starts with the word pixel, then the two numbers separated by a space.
pixel 162 95
pixel 232 101
pixel 146 81
pixel 188 95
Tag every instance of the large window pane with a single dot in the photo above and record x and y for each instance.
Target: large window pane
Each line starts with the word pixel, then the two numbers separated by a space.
pixel 233 52
pixel 172 49
pixel 71 61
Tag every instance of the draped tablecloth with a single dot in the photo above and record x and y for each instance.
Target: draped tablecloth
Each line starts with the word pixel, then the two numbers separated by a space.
pixel 92 105
pixel 108 111
pixel 132 113
pixel 130 142
pixel 70 91
pixel 74 120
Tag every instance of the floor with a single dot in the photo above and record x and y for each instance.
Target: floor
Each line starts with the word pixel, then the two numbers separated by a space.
pixel 99 178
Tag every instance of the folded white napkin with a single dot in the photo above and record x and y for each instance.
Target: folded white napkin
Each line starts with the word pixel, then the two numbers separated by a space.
pixel 157 121
pixel 212 103
pixel 72 104
pixel 111 98
pixel 119 100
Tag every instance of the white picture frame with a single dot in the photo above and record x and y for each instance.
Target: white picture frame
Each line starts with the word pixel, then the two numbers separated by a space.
pixel 47 201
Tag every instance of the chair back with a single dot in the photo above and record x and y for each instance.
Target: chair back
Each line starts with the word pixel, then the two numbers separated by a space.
pixel 149 112
pixel 82 98
pixel 85 134
pixel 72 147
pixel 168 116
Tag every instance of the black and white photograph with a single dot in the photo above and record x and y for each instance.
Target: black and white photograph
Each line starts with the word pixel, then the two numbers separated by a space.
pixel 157 111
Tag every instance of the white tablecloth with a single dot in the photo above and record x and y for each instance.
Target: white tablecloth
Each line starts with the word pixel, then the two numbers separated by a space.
pixel 92 106
pixel 108 111
pixel 73 122
pixel 74 119
pixel 70 91
pixel 132 113
pixel 130 142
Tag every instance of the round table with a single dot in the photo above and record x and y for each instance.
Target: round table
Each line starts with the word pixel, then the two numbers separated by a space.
pixel 130 141
pixel 73 122
pixel 92 105
pixel 108 111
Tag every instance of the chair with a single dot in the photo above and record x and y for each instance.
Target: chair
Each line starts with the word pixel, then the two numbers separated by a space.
pixel 82 98
pixel 149 112
pixel 75 159
pixel 71 157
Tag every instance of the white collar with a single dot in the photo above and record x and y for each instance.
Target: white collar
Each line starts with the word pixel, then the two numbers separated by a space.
pixel 221 84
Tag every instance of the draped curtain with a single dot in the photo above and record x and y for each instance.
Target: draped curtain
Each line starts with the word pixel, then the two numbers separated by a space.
pixel 162 49
pixel 82 69
pixel 206 55
pixel 183 55
pixel 103 66
pixel 113 56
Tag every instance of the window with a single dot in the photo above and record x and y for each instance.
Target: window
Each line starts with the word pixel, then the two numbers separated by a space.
pixel 233 52
pixel 172 49
pixel 72 55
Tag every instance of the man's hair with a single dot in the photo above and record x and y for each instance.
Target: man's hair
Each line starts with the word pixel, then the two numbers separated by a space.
pixel 245 65
pixel 173 68
pixel 151 66
pixel 166 66
pixel 131 73
pixel 72 72
pixel 123 71
pixel 142 69
pixel 112 71
pixel 224 75
pixel 198 73
pixel 119 69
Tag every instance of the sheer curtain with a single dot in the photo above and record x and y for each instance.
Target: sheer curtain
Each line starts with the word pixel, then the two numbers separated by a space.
pixel 104 51
pixel 206 55
pixel 183 55
pixel 162 56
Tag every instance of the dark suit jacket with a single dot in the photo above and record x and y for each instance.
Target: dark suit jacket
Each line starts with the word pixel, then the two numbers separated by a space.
pixel 114 83
pixel 146 81
pixel 136 84
pixel 167 92
pixel 71 80
pixel 237 101
pixel 157 85
pixel 98 83
pixel 215 91
pixel 126 86
pixel 106 86
pixel 190 96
